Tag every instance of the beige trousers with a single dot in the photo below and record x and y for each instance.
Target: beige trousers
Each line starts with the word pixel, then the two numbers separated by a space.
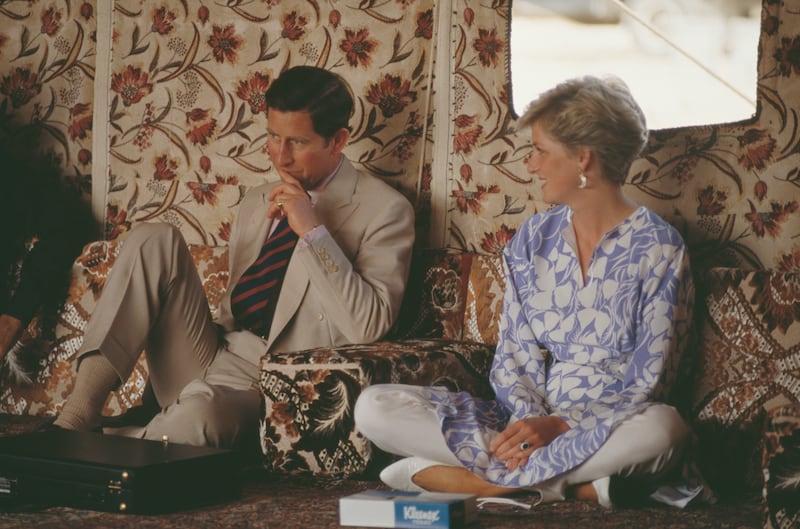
pixel 154 301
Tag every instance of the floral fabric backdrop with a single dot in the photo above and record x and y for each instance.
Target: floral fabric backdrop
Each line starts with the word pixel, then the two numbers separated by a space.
pixel 47 72
pixel 186 121
pixel 187 108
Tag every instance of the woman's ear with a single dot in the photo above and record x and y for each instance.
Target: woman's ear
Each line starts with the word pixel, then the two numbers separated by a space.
pixel 585 158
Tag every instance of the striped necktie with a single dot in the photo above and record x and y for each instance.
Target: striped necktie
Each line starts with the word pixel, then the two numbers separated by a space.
pixel 254 296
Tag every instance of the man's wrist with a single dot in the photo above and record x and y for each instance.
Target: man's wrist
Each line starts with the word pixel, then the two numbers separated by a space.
pixel 314 233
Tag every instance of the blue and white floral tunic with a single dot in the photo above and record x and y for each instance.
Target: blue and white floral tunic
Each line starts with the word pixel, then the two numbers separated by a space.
pixel 613 342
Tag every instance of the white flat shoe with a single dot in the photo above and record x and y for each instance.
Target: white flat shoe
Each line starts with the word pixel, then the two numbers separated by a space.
pixel 601 486
pixel 398 475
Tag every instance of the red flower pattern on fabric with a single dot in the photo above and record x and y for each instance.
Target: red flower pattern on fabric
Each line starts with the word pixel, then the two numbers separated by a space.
pixel 711 201
pixel 496 242
pixel 131 85
pixel 21 86
pixel 769 222
pixel 206 192
pixel 756 147
pixel 117 221
pixel 80 121
pixel 760 190
pixel 163 21
pixel 224 43
pixel 252 90
pixel 489 47
pixel 283 415
pixel 202 14
pixel 51 21
pixel 788 56
pixel 779 310
pixel 84 156
pixel 790 262
pixel 293 26
pixel 224 231
pixel 424 25
pixel 468 132
pixel 202 126
pixel 467 201
pixel 165 168
pixel 392 94
pixel 335 18
pixel 358 47
pixel 87 11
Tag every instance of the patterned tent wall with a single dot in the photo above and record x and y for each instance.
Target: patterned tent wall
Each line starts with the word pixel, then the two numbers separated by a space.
pixel 178 130
pixel 172 126
pixel 732 189
pixel 47 72
pixel 187 127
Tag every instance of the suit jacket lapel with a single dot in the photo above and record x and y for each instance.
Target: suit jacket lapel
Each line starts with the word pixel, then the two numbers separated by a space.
pixel 252 239
pixel 336 204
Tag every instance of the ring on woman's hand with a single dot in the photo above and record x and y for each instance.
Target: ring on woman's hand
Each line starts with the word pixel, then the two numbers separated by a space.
pixel 524 445
pixel 280 202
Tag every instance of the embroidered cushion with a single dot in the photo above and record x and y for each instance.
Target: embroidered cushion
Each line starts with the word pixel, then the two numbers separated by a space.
pixel 433 306
pixel 309 396
pixel 748 364
pixel 487 282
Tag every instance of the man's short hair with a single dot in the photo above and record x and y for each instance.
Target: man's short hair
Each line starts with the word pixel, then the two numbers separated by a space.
pixel 325 95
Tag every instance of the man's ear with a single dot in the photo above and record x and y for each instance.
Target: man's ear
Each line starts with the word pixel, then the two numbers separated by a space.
pixel 339 140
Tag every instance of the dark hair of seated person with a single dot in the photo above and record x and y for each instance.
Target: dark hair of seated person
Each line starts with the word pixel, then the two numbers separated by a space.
pixel 45 224
pixel 325 95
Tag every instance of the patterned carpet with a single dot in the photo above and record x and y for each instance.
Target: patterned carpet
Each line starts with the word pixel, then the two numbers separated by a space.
pixel 284 502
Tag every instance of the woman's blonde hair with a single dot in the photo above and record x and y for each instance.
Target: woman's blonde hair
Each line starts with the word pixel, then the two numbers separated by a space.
pixel 598 114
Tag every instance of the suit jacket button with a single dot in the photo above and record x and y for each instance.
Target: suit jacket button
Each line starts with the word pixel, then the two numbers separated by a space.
pixel 320 317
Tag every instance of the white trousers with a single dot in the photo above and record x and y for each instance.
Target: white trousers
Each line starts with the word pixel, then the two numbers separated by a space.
pixel 400 420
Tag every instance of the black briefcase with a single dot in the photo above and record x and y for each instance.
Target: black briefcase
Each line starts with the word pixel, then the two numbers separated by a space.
pixel 112 473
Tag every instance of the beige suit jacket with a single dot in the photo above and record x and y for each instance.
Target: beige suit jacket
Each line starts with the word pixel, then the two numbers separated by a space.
pixel 344 287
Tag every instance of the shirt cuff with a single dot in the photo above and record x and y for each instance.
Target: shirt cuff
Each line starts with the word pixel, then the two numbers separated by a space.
pixel 312 235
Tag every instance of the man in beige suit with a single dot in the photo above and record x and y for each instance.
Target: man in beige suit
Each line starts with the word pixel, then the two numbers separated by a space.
pixel 343 284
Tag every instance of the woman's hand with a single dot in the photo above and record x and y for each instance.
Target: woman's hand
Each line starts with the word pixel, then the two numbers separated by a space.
pixel 516 443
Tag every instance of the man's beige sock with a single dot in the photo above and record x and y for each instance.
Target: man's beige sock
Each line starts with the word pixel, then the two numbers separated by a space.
pixel 83 408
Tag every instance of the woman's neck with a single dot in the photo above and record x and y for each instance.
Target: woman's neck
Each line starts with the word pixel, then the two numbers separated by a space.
pixel 600 213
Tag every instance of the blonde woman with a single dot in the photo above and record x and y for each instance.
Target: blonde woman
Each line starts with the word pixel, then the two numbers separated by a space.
pixel 596 312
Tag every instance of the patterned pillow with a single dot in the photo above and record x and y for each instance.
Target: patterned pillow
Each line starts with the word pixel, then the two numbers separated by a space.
pixel 308 425
pixel 749 353
pixel 485 288
pixel 433 306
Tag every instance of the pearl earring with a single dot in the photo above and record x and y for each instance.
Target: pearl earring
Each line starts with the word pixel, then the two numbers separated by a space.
pixel 584 181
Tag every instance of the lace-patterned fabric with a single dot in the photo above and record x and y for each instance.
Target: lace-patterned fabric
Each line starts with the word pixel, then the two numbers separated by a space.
pixel 615 341
pixel 746 366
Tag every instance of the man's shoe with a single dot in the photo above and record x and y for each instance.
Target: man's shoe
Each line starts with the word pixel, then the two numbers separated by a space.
pixel 50 425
